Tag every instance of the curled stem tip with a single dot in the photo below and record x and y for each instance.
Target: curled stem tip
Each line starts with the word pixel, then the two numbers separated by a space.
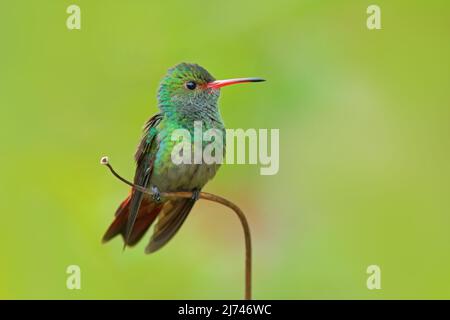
pixel 104 160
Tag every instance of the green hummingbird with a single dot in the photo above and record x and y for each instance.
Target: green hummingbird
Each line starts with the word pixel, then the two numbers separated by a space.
pixel 187 94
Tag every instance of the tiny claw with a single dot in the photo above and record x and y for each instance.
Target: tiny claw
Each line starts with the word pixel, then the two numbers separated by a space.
pixel 156 194
pixel 195 194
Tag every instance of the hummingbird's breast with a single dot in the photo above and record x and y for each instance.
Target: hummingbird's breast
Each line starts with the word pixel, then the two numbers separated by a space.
pixel 170 176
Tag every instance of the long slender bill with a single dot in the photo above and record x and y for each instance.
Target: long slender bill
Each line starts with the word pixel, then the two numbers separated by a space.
pixel 222 83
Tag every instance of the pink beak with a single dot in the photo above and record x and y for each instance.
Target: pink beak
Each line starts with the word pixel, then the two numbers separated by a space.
pixel 222 83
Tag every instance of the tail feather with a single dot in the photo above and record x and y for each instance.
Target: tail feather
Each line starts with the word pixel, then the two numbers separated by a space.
pixel 147 214
pixel 117 225
pixel 171 215
pixel 148 211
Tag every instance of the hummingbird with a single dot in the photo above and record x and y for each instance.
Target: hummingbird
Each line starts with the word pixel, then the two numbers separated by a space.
pixel 187 94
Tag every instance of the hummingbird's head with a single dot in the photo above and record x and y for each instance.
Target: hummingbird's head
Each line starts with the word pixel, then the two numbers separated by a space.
pixel 189 88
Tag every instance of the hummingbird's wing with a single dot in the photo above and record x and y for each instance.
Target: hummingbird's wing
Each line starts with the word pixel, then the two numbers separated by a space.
pixel 170 219
pixel 145 157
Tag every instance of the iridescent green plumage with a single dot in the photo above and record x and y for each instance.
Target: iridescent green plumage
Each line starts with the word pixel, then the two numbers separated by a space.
pixel 187 94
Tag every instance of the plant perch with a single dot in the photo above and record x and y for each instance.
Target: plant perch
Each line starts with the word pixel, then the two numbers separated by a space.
pixel 209 197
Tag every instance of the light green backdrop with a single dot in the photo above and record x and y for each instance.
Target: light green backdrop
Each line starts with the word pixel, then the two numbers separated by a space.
pixel 364 134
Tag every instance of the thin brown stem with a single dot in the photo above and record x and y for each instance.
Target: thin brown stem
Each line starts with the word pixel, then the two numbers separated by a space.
pixel 213 198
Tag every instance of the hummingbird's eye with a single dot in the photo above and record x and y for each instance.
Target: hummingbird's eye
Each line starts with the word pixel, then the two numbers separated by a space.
pixel 191 85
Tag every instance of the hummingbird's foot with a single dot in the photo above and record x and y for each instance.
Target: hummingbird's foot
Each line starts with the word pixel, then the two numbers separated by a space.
pixel 195 194
pixel 156 194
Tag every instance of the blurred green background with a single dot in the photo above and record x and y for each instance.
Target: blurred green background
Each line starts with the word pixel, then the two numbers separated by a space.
pixel 364 142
